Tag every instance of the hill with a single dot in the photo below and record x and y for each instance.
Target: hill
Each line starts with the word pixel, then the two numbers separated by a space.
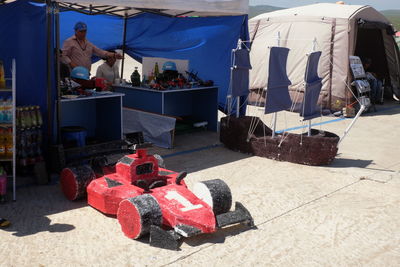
pixel 257 10
pixel 393 16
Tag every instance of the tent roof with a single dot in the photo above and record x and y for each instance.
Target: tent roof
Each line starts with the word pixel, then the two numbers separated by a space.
pixel 328 10
pixel 166 7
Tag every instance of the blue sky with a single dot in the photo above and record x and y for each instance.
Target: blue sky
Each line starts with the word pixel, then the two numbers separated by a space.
pixel 377 4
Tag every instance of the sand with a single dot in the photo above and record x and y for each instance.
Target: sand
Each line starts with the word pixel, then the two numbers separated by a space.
pixel 345 214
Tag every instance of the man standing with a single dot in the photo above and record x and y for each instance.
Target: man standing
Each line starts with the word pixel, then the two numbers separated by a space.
pixel 78 51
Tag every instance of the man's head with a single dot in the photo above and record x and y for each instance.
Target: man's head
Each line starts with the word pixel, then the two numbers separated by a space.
pixel 80 30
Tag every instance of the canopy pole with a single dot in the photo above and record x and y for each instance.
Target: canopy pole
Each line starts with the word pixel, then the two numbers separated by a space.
pixel 278 42
pixel 57 62
pixel 123 46
pixel 239 46
pixel 49 67
pixel 314 44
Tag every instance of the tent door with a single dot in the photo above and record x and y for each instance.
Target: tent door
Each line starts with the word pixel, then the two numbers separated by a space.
pixel 370 44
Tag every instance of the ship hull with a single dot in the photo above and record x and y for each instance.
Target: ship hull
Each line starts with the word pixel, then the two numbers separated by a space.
pixel 318 149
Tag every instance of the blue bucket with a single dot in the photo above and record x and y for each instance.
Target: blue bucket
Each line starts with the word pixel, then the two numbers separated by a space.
pixel 75 134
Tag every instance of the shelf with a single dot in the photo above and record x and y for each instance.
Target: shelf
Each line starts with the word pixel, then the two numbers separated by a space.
pixel 6 160
pixel 6 124
pixel 5 90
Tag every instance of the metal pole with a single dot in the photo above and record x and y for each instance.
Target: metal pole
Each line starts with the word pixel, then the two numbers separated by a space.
pixel 123 46
pixel 14 99
pixel 351 124
pixel 314 44
pixel 274 124
pixel 278 42
pixel 237 106
pixel 57 62
pixel 49 67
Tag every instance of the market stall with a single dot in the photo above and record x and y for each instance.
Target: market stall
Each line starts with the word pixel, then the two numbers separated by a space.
pixel 202 32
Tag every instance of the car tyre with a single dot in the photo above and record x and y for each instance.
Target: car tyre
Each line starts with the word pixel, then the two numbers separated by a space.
pixel 137 214
pixel 75 180
pixel 216 194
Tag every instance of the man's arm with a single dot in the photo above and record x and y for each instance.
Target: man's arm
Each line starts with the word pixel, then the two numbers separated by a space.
pixel 105 54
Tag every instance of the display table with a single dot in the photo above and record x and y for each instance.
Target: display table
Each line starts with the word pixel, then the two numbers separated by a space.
pixel 199 103
pixel 100 114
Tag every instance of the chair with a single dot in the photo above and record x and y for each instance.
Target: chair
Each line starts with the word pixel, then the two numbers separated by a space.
pixel 361 83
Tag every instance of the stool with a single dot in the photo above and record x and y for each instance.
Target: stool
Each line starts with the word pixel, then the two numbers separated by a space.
pixel 76 134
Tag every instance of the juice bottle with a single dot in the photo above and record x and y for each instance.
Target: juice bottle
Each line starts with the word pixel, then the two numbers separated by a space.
pixel 9 143
pixel 32 113
pixel 156 71
pixel 2 147
pixel 3 184
pixel 27 117
pixel 39 116
pixel 2 119
pixel 2 78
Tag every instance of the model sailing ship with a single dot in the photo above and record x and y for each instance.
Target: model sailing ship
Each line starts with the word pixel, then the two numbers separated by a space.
pixel 248 134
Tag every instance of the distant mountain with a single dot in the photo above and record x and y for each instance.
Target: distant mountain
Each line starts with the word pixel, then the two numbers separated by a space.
pixel 257 10
pixel 393 16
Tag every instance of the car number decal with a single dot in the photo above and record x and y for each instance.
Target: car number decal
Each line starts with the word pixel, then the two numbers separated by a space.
pixel 182 200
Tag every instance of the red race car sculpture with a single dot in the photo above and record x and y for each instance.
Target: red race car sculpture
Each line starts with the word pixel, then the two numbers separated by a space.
pixel 149 199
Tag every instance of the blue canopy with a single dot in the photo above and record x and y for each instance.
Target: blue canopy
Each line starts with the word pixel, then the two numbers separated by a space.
pixel 206 42
pixel 23 37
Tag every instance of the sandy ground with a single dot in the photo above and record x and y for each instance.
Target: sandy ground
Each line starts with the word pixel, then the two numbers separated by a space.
pixel 345 214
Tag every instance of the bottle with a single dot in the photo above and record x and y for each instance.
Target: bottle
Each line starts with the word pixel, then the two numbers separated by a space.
pixel 2 119
pixel 2 145
pixel 9 143
pixel 8 110
pixel 135 77
pixel 27 117
pixel 18 119
pixel 2 78
pixel 156 72
pixel 39 116
pixel 32 114
pixel 22 118
pixel 3 184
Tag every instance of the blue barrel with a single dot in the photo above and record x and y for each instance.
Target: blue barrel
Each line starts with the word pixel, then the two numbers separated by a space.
pixel 76 134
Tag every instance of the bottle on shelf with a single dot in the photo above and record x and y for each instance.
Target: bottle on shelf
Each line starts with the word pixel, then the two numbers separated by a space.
pixel 27 117
pixel 2 76
pixel 7 111
pixel 2 119
pixel 135 77
pixel 9 143
pixel 156 70
pixel 38 116
pixel 3 184
pixel 2 143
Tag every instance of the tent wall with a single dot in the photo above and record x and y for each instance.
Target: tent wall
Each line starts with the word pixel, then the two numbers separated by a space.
pixel 335 29
pixel 297 34
pixel 23 36
pixel 206 42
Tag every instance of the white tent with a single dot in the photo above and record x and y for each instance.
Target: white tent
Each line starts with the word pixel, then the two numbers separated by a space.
pixel 339 31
